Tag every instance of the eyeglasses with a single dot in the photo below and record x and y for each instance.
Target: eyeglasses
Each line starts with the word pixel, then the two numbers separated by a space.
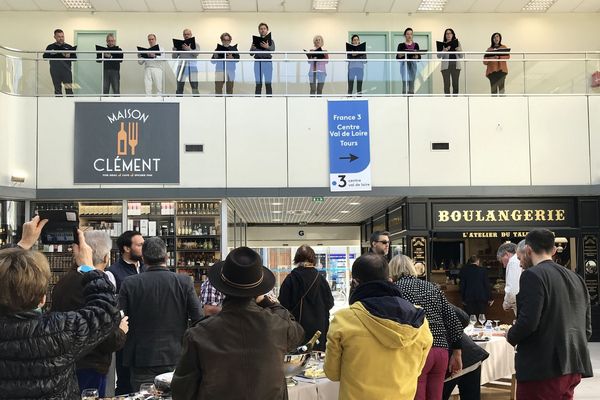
pixel 383 241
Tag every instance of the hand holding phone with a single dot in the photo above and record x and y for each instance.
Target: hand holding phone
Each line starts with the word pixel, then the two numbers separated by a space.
pixel 31 232
pixel 82 252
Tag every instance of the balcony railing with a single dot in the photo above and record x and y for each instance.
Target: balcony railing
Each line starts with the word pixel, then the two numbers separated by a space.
pixel 26 73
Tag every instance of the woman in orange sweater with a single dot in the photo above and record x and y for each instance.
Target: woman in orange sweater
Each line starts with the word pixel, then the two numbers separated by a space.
pixel 496 69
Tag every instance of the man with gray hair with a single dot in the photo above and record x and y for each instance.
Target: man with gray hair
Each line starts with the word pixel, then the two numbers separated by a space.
pixel 67 295
pixel 524 259
pixel 507 255
pixel 111 65
pixel 160 305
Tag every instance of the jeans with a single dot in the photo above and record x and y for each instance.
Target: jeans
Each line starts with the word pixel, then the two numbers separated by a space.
pixel 355 74
pixel 61 75
pixel 408 72
pixel 469 386
pixel 263 70
pixel 451 74
pixel 317 81
pixel 189 72
pixel 112 78
pixel 431 381
pixel 141 375
pixel 91 379
pixel 497 81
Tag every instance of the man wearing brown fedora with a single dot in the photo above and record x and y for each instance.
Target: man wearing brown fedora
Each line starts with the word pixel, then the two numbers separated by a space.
pixel 238 353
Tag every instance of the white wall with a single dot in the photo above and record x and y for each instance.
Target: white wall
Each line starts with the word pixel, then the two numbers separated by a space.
pixel 17 137
pixel 594 114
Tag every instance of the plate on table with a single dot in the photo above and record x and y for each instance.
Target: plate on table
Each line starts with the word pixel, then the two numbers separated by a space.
pixel 314 372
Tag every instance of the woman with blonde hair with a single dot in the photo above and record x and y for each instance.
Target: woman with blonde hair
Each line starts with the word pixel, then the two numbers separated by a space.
pixel 443 323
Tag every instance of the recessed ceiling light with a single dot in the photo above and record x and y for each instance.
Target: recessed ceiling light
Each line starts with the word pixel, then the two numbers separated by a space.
pixel 276 219
pixel 538 5
pixel 215 5
pixel 354 204
pixel 325 5
pixel 344 211
pixel 276 204
pixel 276 212
pixel 432 5
pixel 78 4
pixel 298 212
pixel 334 220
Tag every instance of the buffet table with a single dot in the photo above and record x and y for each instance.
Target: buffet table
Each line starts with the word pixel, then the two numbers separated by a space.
pixel 319 389
pixel 500 363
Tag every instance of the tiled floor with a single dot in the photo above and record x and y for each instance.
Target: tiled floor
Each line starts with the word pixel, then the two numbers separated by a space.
pixel 588 389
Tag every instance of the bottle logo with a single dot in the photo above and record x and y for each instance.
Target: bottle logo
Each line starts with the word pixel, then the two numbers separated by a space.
pixel 128 139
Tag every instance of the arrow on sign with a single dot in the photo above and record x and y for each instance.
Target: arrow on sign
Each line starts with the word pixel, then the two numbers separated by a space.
pixel 352 157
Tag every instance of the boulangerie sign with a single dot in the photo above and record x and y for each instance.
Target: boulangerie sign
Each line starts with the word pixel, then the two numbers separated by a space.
pixel 126 143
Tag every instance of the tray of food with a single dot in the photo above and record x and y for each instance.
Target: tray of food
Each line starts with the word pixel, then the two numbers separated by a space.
pixel 313 372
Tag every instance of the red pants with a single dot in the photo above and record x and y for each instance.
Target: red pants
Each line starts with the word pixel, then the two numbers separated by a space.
pixel 559 388
pixel 431 380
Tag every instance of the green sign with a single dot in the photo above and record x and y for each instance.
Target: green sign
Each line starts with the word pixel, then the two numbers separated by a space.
pixel 318 199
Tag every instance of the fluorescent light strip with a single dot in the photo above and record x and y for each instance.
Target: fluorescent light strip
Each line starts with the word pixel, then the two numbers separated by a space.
pixel 432 5
pixel 325 4
pixel 538 5
pixel 78 4
pixel 215 5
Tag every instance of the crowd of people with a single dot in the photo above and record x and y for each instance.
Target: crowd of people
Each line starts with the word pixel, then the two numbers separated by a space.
pixel 399 338
pixel 226 56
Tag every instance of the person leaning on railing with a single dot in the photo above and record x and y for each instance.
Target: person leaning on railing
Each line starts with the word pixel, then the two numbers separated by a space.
pixel 496 69
pixel 38 350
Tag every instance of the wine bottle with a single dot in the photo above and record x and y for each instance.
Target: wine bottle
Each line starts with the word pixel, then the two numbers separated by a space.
pixel 305 348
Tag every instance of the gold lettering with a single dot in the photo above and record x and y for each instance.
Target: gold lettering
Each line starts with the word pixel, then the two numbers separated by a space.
pixel 503 215
pixel 455 215
pixel 540 215
pixel 550 218
pixel 491 216
pixel 443 216
pixel 560 215
pixel 516 215
pixel 468 215
pixel 478 217
pixel 528 215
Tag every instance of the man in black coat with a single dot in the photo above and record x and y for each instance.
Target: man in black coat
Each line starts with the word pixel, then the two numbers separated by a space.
pixel 475 289
pixel 159 304
pixel 553 325
pixel 61 54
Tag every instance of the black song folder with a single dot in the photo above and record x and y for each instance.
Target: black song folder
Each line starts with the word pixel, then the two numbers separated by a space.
pixel 178 43
pixel 257 40
pixel 150 50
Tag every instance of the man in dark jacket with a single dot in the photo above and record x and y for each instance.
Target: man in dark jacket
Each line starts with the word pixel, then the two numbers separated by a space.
pixel 61 54
pixel 475 287
pixel 111 66
pixel 130 263
pixel 238 353
pixel 158 303
pixel 67 295
pixel 553 325
pixel 38 350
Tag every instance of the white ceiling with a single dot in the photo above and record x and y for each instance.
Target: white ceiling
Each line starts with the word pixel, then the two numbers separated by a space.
pixel 296 210
pixel 375 6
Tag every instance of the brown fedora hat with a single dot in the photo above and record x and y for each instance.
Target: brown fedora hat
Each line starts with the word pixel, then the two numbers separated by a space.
pixel 241 274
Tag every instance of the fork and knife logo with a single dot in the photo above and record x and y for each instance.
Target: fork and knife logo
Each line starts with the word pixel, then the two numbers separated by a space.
pixel 127 139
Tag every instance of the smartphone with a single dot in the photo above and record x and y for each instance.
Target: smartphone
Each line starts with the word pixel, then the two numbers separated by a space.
pixel 61 227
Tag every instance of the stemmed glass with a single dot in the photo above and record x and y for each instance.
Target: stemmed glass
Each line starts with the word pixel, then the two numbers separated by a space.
pixel 147 390
pixel 482 319
pixel 496 322
pixel 89 394
pixel 472 321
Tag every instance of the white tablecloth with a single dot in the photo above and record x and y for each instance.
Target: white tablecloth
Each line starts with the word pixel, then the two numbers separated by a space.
pixel 500 363
pixel 323 389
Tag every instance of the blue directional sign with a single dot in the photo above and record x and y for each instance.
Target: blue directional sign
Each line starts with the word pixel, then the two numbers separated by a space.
pixel 349 145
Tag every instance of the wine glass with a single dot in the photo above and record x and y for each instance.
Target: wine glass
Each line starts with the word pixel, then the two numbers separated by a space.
pixel 472 321
pixel 496 322
pixel 482 319
pixel 89 394
pixel 147 390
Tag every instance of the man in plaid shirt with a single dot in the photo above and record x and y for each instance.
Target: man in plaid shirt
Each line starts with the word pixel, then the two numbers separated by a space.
pixel 211 298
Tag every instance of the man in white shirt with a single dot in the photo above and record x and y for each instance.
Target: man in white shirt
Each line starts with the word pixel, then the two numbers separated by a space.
pixel 153 71
pixel 507 255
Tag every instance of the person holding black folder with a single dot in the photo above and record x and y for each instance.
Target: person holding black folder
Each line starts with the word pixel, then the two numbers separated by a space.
pixel 60 65
pixel 317 73
pixel 496 70
pixel 356 63
pixel 262 46
pixel 407 52
pixel 111 64
pixel 450 67
pixel 187 67
pixel 225 64
pixel 153 72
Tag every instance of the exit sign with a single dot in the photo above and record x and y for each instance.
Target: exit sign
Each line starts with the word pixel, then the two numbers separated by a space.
pixel 318 199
